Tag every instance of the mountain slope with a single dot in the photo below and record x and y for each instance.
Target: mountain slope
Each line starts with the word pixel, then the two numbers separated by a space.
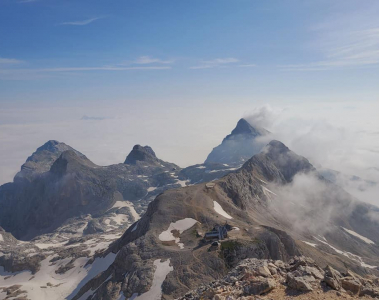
pixel 251 201
pixel 73 186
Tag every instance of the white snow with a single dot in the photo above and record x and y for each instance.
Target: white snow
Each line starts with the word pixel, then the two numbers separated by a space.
pixel 181 225
pixel 236 228
pixel 262 181
pixel 267 190
pixel 65 286
pixel 217 207
pixel 310 244
pixel 161 271
pixel 150 189
pixel 182 182
pixel 223 170
pixel 368 241
pixel 128 204
pixel 120 218
pixel 349 255
pixel 45 246
pixel 1 238
pixel 201 167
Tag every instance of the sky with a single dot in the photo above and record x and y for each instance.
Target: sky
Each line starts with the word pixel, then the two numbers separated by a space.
pixel 102 76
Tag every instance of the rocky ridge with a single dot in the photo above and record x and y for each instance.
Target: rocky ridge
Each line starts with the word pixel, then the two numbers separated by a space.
pixel 299 278
pixel 244 200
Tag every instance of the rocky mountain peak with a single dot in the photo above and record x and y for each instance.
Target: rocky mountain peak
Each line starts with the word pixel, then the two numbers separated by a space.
pixel 279 156
pixel 140 153
pixel 42 159
pixel 240 145
pixel 275 148
pixel 71 159
pixel 51 145
pixel 244 127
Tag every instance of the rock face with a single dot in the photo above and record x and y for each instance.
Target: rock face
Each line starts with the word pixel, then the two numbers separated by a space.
pixel 140 153
pixel 238 146
pixel 58 183
pixel 42 159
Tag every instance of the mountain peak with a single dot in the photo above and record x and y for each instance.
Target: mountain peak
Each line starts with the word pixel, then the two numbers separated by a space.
pixel 42 159
pixel 140 153
pixel 240 145
pixel 244 127
pixel 279 155
pixel 275 148
pixel 49 145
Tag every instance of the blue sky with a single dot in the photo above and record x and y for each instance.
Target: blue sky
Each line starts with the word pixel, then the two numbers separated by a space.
pixel 96 50
pixel 174 68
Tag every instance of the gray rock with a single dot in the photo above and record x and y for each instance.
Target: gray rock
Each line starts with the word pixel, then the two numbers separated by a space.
pixel 351 284
pixel 332 278
pixel 259 287
pixel 299 283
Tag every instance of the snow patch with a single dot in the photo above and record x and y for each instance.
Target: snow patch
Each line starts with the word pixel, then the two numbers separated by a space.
pixel 217 207
pixel 45 246
pixel 201 167
pixel 160 274
pixel 349 255
pixel 182 182
pixel 310 244
pixel 150 189
pixel 181 225
pixel 366 240
pixel 64 286
pixel 267 190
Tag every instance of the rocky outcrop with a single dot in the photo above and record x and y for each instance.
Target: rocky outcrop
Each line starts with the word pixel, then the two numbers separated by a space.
pixel 140 153
pixel 301 275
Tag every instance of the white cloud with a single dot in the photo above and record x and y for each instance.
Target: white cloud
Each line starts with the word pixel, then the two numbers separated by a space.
pixel 9 61
pixel 32 74
pixel 144 60
pixel 82 22
pixel 346 38
pixel 248 66
pixel 215 63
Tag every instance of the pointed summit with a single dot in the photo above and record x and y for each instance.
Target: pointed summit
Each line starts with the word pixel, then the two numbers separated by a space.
pixel 238 146
pixel 42 159
pixel 244 127
pixel 141 153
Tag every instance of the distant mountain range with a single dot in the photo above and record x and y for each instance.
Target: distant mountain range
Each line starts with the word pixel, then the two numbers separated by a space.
pixel 135 230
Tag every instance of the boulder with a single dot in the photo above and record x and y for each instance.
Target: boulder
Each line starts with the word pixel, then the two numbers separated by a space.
pixel 264 271
pixel 332 278
pixel 299 283
pixel 259 287
pixel 351 284
pixel 311 271
pixel 369 291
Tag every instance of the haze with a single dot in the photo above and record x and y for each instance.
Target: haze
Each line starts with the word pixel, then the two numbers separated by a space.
pixel 102 77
